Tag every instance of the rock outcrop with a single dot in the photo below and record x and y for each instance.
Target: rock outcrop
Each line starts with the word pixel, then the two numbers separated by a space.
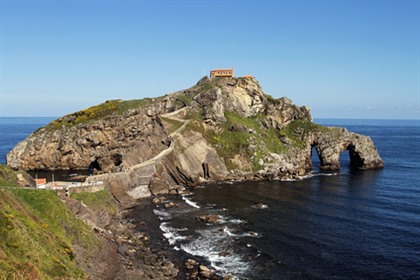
pixel 109 144
pixel 219 129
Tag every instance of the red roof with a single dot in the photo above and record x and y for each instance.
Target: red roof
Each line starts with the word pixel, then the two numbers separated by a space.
pixel 40 181
pixel 223 70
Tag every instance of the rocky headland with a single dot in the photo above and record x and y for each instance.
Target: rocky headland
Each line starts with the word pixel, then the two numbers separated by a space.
pixel 219 129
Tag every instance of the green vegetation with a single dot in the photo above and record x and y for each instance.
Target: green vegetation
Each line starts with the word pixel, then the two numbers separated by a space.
pixel 205 87
pixel 264 140
pixel 8 178
pixel 258 143
pixel 101 200
pixel 231 142
pixel 228 144
pixel 296 130
pixel 103 110
pixel 185 99
pixel 36 236
pixel 270 99
pixel 172 124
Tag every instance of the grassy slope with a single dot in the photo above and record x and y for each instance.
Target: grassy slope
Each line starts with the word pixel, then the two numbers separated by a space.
pixel 8 178
pixel 101 200
pixel 108 108
pixel 36 236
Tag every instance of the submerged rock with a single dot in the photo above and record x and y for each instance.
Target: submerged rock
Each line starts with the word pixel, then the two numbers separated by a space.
pixel 211 219
pixel 261 206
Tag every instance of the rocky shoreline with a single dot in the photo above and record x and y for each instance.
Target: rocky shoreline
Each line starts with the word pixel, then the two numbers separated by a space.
pixel 133 245
pixel 127 251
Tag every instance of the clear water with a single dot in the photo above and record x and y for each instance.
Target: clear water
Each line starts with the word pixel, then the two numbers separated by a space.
pixel 15 129
pixel 348 225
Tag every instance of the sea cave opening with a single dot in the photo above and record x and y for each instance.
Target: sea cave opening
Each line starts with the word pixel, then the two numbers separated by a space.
pixel 354 161
pixel 94 165
pixel 117 159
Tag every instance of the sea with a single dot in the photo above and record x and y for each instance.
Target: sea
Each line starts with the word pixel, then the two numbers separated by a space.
pixel 349 224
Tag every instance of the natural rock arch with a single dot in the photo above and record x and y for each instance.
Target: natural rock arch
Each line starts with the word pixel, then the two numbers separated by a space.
pixel 334 161
pixel 362 152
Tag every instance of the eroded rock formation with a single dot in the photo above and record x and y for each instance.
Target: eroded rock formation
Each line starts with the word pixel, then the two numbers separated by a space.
pixel 219 129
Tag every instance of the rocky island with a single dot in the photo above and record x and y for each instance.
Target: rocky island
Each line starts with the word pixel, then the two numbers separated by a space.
pixel 222 128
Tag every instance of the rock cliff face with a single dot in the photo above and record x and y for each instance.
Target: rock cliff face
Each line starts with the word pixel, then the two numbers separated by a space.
pixel 219 129
pixel 108 144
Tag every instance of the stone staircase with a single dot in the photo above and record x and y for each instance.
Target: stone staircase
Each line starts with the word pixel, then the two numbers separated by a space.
pixel 142 176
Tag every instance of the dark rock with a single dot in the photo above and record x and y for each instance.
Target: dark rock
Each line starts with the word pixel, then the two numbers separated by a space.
pixel 238 127
pixel 209 218
pixel 261 206
pixel 169 205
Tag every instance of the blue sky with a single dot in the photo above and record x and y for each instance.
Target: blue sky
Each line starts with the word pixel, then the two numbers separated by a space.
pixel 343 59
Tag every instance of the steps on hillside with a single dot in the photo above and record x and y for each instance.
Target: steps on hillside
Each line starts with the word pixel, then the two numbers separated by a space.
pixel 144 180
pixel 146 170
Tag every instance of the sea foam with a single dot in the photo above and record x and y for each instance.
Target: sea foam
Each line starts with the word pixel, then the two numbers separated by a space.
pixel 190 202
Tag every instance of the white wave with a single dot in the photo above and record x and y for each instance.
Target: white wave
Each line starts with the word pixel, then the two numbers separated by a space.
pixel 237 221
pixel 260 206
pixel 190 202
pixel 245 234
pixel 222 219
pixel 289 180
pixel 228 232
pixel 308 176
pixel 251 234
pixel 171 233
pixel 212 245
pixel 329 174
pixel 162 215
